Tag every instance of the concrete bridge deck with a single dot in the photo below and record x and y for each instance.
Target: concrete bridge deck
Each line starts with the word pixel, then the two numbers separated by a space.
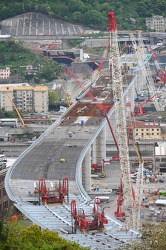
pixel 84 121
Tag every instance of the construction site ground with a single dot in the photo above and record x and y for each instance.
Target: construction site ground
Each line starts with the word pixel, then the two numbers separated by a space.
pixel 149 212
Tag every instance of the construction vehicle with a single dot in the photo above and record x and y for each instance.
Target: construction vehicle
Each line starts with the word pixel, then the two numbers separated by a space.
pixel 50 121
pixel 68 99
pixel 87 222
pixel 67 96
pixel 18 113
pixel 56 195
pixel 138 110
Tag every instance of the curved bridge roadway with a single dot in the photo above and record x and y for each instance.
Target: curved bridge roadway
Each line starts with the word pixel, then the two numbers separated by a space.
pixel 42 160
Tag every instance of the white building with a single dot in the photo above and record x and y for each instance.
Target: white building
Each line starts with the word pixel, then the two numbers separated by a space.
pixel 156 23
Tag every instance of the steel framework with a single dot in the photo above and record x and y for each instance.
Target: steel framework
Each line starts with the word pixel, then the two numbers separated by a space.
pixel 144 64
pixel 120 121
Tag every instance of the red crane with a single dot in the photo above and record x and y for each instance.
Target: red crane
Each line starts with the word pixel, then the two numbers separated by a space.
pixel 56 195
pixel 119 212
pixel 138 111
pixel 93 221
pixel 161 72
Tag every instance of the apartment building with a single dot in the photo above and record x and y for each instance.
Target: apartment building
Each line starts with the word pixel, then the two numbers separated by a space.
pixel 25 98
pixel 147 131
pixel 4 73
pixel 156 23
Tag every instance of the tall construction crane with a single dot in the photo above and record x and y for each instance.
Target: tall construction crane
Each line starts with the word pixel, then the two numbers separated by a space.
pixel 121 122
pixel 144 64
pixel 18 113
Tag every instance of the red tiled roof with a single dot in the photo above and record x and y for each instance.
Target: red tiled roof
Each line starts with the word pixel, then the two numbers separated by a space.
pixel 146 125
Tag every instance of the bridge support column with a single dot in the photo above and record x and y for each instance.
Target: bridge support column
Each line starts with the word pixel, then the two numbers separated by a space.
pixel 87 172
pixel 94 154
pixel 101 146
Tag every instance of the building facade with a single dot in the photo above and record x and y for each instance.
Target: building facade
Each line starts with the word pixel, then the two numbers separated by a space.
pixel 25 98
pixel 147 131
pixel 4 73
pixel 156 23
pixel 160 157
pixel 5 202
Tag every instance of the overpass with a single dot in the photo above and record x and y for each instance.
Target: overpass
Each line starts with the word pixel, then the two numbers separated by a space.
pixel 79 138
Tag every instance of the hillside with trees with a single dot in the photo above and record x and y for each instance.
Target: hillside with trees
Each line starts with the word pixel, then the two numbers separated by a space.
pixel 14 55
pixel 130 14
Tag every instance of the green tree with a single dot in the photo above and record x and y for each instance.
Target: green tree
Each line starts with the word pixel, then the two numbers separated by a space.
pixel 153 238
pixel 14 236
pixel 53 97
pixel 49 69
pixel 29 77
pixel 2 59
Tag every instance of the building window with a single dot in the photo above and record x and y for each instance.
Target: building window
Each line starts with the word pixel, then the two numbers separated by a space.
pixel 136 133
pixel 142 129
pixel 152 133
pixel 147 133
pixel 152 129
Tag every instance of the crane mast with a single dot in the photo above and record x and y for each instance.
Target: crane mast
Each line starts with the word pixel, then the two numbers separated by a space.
pixel 141 55
pixel 138 190
pixel 120 120
pixel 18 113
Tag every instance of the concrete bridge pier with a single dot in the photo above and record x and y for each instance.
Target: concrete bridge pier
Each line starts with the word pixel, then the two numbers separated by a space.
pixel 94 154
pixel 87 171
pixel 101 146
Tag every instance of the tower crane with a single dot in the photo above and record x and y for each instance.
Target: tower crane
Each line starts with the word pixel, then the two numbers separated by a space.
pixel 18 113
pixel 122 142
pixel 120 121
pixel 141 56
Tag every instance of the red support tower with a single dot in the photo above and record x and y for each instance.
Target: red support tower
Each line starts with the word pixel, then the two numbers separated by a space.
pixel 53 196
pixel 84 222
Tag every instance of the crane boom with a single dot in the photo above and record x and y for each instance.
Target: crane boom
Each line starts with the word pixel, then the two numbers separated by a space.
pixel 120 120
pixel 18 113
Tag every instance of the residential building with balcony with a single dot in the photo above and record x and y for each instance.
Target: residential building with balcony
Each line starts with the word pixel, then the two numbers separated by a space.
pixel 156 23
pixel 26 98
pixel 147 131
